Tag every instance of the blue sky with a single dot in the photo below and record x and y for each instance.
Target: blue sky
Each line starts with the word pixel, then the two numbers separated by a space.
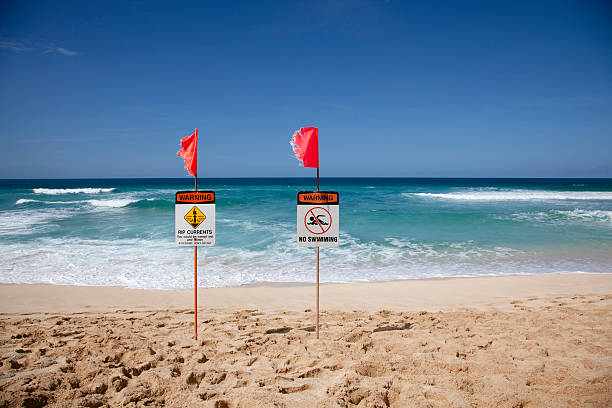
pixel 397 88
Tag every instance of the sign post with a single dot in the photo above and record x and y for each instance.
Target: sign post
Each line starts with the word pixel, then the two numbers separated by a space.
pixel 194 224
pixel 189 153
pixel 318 211
pixel 318 225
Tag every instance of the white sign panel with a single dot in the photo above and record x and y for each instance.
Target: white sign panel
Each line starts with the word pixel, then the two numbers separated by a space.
pixel 318 218
pixel 194 218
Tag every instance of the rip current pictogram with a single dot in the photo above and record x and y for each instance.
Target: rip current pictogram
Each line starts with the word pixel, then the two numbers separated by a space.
pixel 195 217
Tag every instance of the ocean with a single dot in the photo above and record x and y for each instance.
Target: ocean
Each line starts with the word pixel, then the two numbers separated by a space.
pixel 120 232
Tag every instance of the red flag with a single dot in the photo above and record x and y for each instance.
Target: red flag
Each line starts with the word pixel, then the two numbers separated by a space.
pixel 189 152
pixel 305 143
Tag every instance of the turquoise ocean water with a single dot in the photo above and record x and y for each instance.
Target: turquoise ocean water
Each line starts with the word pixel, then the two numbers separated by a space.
pixel 120 231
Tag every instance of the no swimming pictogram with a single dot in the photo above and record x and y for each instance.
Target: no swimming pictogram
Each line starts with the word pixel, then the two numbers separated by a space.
pixel 318 220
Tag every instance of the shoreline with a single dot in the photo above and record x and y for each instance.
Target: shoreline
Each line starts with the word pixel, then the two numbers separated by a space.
pixel 431 294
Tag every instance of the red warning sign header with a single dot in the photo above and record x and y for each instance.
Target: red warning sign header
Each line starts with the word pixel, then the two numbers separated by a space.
pixel 318 197
pixel 195 197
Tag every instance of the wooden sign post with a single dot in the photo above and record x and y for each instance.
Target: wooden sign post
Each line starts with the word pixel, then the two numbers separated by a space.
pixel 194 214
pixel 194 223
pixel 318 221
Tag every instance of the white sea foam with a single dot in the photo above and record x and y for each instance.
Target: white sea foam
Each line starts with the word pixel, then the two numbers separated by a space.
pixel 588 215
pixel 518 195
pixel 56 191
pixel 564 216
pixel 28 222
pixel 159 264
pixel 25 200
pixel 109 203
pixel 115 203
pixel 463 250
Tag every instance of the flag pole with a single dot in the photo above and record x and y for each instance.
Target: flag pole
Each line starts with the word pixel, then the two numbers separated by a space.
pixel 317 327
pixel 317 293
pixel 195 280
pixel 195 262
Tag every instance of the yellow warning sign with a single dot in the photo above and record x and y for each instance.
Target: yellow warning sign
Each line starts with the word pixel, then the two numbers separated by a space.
pixel 195 217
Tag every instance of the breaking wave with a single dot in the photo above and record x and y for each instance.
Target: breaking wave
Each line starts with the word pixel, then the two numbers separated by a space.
pixel 56 191
pixel 109 203
pixel 116 203
pixel 26 200
pixel 518 195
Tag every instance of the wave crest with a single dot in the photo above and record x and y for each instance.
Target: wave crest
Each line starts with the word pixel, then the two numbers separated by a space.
pixel 109 203
pixel 516 195
pixel 86 190
pixel 118 203
pixel 25 200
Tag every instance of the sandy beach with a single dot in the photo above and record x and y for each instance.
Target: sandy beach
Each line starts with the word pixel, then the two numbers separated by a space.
pixel 515 341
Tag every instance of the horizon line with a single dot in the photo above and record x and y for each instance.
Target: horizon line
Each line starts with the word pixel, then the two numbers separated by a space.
pixel 309 177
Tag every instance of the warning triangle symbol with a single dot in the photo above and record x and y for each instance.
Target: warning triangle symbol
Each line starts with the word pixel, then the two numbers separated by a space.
pixel 195 217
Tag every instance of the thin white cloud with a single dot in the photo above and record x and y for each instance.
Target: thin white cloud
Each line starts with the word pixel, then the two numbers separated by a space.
pixel 69 53
pixel 19 46
pixel 14 46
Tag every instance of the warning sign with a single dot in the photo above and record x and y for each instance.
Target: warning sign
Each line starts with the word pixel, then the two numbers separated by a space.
pixel 194 218
pixel 318 217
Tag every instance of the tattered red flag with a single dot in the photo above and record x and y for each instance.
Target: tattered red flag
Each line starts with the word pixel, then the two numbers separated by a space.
pixel 189 152
pixel 305 143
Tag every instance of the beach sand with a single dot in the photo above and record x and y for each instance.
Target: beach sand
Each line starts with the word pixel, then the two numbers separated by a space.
pixel 516 341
